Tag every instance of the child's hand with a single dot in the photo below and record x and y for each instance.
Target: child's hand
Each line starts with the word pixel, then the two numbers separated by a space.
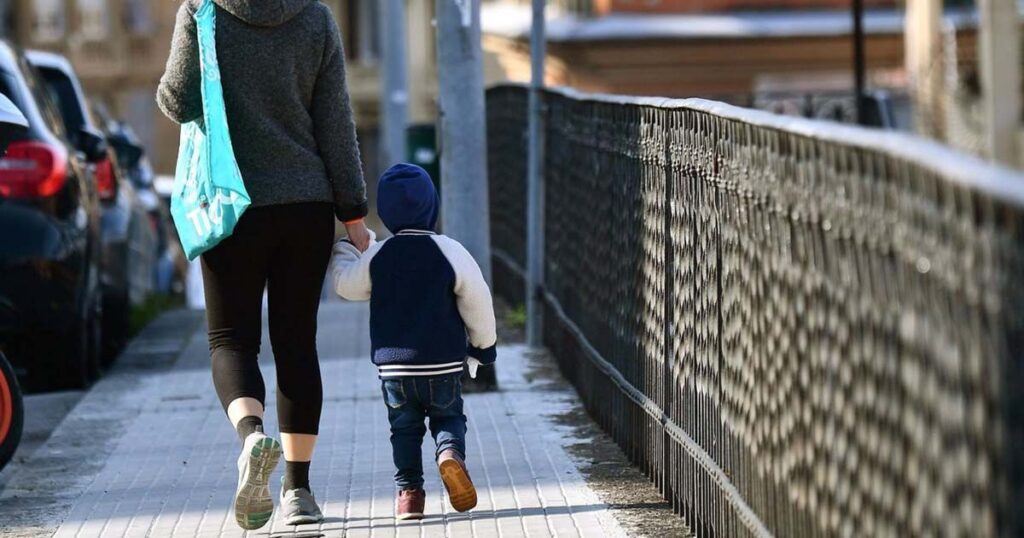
pixel 347 245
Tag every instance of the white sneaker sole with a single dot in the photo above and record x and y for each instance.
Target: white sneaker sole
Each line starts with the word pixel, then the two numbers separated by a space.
pixel 253 504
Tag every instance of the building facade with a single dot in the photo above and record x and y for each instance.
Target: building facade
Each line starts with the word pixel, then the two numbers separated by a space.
pixel 119 49
pixel 722 49
pixel 603 7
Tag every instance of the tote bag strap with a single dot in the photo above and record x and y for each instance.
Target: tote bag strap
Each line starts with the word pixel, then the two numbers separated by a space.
pixel 214 111
pixel 206 20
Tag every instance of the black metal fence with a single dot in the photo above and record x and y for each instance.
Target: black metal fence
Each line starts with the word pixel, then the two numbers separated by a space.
pixel 795 328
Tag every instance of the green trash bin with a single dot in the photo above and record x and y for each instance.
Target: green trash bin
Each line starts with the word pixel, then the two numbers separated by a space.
pixel 422 147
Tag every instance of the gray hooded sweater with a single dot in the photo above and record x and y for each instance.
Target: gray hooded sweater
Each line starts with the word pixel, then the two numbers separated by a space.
pixel 283 72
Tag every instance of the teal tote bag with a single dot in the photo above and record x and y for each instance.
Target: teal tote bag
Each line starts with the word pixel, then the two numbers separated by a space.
pixel 208 196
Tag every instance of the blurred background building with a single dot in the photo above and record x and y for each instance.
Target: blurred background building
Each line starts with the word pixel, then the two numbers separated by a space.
pixel 715 48
pixel 119 49
pixel 788 56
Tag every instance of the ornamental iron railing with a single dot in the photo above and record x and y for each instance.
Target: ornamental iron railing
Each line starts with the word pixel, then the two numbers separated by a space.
pixel 795 328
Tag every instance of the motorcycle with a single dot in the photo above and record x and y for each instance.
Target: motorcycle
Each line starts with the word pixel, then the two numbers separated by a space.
pixel 12 410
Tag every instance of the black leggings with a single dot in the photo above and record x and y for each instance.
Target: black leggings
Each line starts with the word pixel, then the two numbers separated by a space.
pixel 285 249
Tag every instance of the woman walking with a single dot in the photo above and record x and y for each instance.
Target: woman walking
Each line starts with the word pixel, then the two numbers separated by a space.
pixel 283 73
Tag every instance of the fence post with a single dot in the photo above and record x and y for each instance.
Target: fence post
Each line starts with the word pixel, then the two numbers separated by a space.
pixel 535 183
pixel 668 355
pixel 859 61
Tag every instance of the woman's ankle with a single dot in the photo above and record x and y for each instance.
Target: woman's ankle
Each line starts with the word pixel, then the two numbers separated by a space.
pixel 247 426
pixel 296 475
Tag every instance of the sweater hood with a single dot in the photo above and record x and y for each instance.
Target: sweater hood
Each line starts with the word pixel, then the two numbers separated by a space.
pixel 264 12
pixel 407 199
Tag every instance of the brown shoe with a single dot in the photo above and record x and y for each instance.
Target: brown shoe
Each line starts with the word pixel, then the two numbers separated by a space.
pixel 410 504
pixel 461 491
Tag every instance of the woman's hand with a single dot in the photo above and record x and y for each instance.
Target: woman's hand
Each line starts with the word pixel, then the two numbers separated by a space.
pixel 358 234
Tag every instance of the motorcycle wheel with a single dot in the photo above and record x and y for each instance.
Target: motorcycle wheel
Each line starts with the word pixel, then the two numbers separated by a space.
pixel 12 412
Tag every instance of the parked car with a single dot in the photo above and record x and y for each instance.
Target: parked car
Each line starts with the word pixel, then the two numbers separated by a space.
pixel 131 154
pixel 129 241
pixel 50 294
pixel 12 411
pixel 163 185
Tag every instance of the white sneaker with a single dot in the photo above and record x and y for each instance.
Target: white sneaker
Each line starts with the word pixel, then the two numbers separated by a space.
pixel 298 507
pixel 253 504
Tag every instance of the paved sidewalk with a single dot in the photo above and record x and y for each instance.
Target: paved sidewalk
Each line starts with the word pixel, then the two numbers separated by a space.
pixel 170 469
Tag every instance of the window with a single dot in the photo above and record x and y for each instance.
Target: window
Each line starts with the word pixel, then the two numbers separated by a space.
pixel 365 31
pixel 5 90
pixel 48 23
pixel 138 17
pixel 11 87
pixel 95 19
pixel 62 93
pixel 42 99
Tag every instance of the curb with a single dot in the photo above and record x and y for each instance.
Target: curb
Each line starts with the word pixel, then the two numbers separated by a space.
pixel 42 491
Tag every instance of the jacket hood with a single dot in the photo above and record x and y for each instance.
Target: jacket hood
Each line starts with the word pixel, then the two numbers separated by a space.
pixel 264 12
pixel 407 199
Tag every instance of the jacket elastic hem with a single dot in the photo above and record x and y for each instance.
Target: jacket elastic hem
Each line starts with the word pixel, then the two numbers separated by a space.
pixel 418 370
pixel 485 355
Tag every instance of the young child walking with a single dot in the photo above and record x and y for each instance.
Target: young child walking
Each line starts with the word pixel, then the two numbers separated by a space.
pixel 430 308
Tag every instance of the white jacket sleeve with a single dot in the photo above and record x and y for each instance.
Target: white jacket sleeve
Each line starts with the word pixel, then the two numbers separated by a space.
pixel 473 297
pixel 352 269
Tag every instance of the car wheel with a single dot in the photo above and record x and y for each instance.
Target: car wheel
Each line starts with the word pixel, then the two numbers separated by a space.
pixel 12 412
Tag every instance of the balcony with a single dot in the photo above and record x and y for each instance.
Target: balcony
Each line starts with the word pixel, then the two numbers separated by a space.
pixel 98 63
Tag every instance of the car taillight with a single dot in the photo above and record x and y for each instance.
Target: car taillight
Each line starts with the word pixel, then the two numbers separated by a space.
pixel 105 178
pixel 32 169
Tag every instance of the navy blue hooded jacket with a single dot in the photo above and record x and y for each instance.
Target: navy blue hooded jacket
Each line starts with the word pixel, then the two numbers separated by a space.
pixel 430 306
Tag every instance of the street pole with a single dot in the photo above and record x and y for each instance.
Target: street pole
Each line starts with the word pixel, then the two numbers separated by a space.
pixel 925 67
pixel 394 83
pixel 464 202
pixel 859 67
pixel 999 47
pixel 535 183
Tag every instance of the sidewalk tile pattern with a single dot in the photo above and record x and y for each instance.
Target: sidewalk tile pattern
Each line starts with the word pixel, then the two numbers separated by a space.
pixel 172 472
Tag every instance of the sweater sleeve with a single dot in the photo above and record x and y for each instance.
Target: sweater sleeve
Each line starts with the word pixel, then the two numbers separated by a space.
pixel 179 94
pixel 352 270
pixel 473 298
pixel 335 130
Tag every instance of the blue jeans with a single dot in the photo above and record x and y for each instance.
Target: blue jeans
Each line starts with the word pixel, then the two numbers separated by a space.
pixel 410 402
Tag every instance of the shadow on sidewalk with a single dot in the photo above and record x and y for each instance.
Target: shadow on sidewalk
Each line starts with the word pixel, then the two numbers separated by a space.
pixel 480 515
pixel 336 524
